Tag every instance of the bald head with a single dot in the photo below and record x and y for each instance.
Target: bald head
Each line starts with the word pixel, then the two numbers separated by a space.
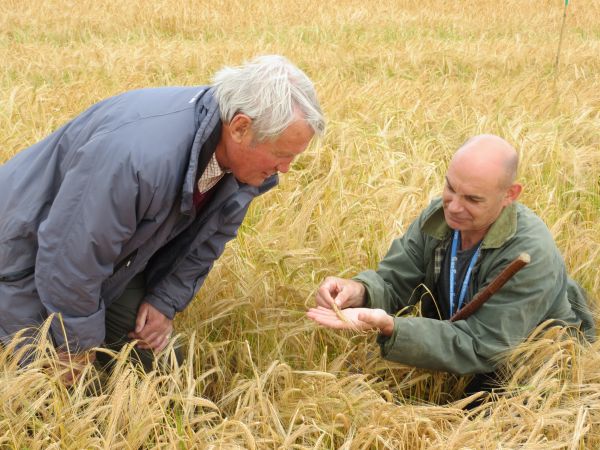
pixel 480 183
pixel 492 155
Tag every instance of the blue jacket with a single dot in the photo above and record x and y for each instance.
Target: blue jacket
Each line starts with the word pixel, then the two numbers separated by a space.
pixel 105 197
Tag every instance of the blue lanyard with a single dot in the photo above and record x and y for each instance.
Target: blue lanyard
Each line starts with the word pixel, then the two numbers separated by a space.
pixel 453 258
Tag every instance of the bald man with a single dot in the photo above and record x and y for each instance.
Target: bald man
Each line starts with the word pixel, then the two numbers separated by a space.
pixel 456 247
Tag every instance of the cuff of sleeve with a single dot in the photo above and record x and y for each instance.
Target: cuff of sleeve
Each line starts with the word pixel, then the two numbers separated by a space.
pixel 166 309
pixel 374 288
pixel 386 343
pixel 79 333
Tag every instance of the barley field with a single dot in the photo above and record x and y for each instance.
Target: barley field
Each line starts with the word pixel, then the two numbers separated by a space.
pixel 403 83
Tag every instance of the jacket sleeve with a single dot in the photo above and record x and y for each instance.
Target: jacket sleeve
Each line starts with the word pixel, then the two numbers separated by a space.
pixel 392 286
pixel 94 212
pixel 173 293
pixel 476 345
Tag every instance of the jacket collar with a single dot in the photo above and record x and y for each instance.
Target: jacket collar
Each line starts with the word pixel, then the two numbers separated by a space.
pixel 501 230
pixel 229 186
pixel 207 119
pixel 208 123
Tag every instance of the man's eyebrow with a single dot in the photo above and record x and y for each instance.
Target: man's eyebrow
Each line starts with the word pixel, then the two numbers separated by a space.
pixel 475 197
pixel 284 154
pixel 471 197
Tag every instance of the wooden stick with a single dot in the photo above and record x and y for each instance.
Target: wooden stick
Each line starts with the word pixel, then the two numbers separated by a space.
pixel 560 39
pixel 483 295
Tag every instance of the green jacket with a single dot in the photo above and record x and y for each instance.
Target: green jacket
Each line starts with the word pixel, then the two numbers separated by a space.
pixel 539 292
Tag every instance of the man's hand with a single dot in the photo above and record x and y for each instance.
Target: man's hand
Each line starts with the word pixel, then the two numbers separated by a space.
pixel 360 319
pixel 345 293
pixel 152 328
pixel 74 364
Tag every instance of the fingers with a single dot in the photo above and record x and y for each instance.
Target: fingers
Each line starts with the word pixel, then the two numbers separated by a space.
pixel 140 320
pixel 345 293
pixel 367 317
pixel 157 343
pixel 321 311
pixel 326 293
pixel 73 365
pixel 328 318
pixel 357 319
pixel 164 343
pixel 379 319
pixel 153 336
pixel 153 329
pixel 154 341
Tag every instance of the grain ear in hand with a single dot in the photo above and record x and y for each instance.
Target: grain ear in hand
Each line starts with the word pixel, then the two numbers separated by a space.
pixel 343 318
pixel 338 312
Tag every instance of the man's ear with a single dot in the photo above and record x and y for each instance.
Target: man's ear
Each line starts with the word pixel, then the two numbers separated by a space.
pixel 239 126
pixel 513 193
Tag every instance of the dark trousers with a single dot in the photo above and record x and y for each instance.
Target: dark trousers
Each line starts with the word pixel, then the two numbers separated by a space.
pixel 481 382
pixel 120 320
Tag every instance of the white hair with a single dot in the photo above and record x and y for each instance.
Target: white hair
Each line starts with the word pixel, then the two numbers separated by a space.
pixel 269 90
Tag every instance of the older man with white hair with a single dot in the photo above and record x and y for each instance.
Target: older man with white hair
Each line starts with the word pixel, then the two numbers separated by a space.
pixel 114 220
pixel 458 245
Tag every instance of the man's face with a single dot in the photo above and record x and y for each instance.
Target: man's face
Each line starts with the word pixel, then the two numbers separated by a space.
pixel 253 162
pixel 472 202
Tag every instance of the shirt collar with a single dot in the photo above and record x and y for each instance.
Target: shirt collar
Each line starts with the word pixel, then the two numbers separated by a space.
pixel 211 175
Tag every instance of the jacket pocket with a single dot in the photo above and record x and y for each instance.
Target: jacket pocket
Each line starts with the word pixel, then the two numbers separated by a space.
pixel 16 276
pixel 125 262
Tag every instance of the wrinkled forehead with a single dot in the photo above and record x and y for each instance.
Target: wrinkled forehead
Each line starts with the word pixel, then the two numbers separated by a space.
pixel 464 180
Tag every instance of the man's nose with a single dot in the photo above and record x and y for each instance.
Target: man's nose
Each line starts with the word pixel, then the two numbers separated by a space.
pixel 454 205
pixel 284 167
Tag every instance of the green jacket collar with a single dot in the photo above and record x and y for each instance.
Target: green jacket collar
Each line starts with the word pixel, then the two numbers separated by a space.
pixel 501 230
